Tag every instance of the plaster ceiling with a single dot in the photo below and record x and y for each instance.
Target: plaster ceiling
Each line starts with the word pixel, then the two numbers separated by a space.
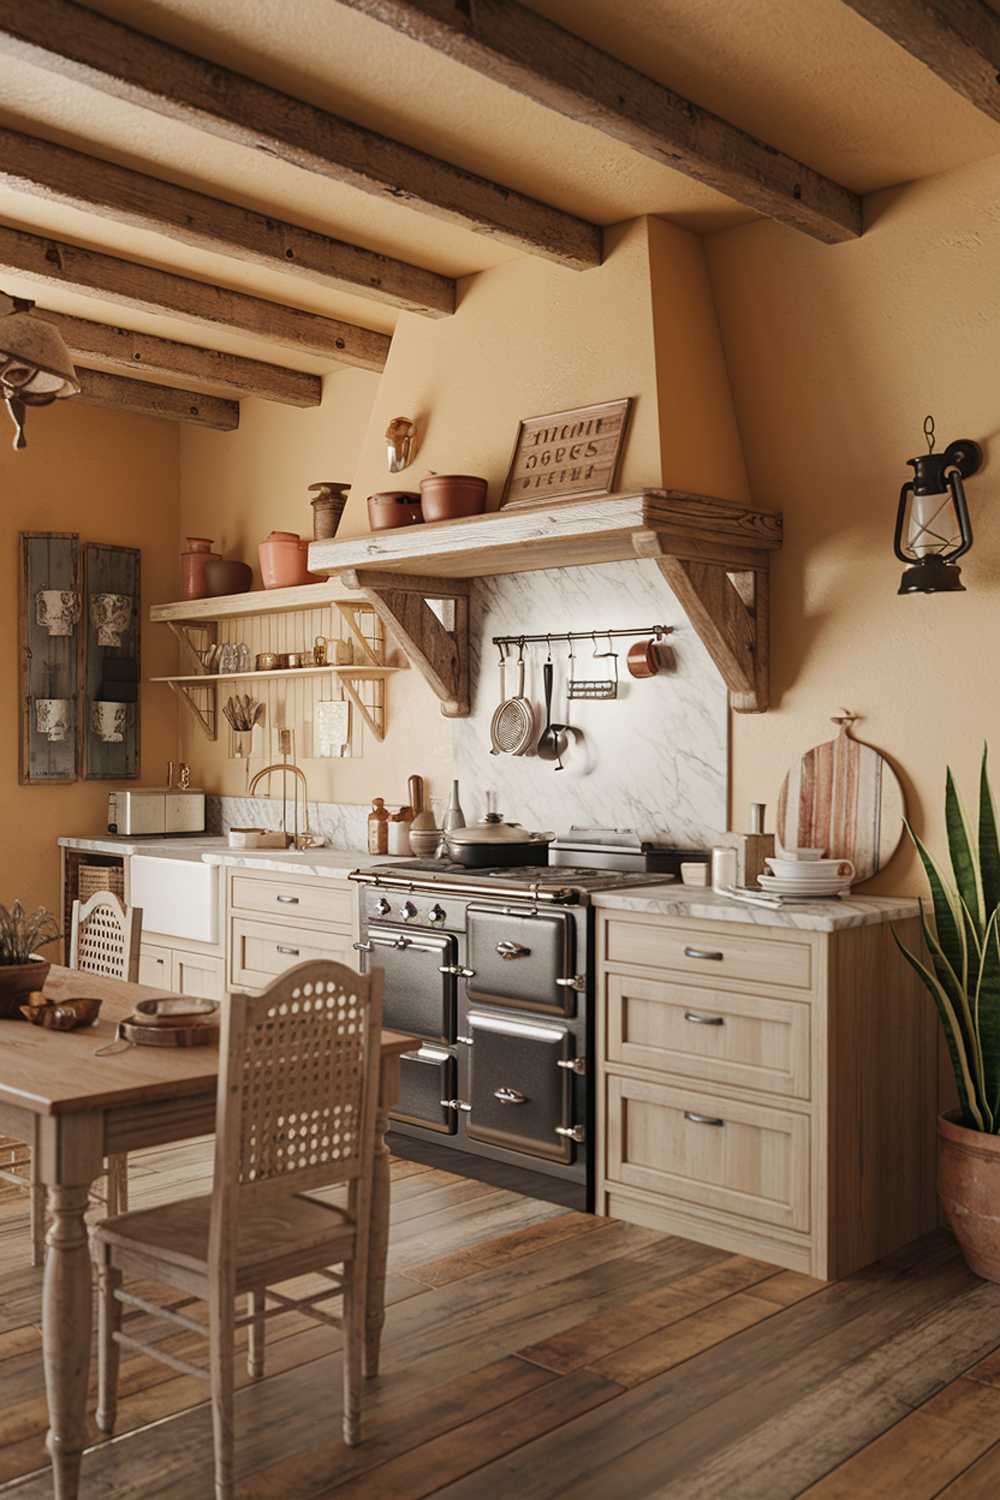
pixel 808 76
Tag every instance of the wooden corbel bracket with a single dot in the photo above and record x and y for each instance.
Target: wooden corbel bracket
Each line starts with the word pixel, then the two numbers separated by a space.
pixel 727 602
pixel 440 653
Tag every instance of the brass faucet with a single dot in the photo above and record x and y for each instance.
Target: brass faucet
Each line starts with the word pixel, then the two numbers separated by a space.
pixel 303 840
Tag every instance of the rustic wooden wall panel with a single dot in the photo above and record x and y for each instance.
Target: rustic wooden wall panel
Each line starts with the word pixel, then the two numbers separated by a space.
pixel 49 665
pixel 111 673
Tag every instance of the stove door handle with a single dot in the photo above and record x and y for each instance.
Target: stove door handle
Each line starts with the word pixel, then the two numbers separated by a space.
pixel 509 1096
pixel 576 982
pixel 457 971
pixel 507 949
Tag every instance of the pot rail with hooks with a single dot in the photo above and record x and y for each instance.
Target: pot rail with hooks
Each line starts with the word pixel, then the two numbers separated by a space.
pixel 547 637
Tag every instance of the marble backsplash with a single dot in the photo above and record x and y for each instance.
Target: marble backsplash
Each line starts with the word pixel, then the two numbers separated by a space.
pixel 654 759
pixel 344 825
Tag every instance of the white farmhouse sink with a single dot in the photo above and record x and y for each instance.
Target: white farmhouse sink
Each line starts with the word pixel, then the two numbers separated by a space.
pixel 179 897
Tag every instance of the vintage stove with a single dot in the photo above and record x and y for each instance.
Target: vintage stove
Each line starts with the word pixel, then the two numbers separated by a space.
pixel 494 970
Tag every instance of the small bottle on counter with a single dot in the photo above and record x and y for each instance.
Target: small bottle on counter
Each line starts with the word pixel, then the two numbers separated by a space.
pixel 378 827
pixel 454 816
pixel 399 831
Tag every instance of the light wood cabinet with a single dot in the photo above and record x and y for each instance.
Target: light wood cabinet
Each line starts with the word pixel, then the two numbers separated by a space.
pixel 276 921
pixel 773 1093
pixel 198 974
pixel 155 966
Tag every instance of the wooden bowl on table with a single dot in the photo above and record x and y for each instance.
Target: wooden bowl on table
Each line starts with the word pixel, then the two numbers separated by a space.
pixel 64 1014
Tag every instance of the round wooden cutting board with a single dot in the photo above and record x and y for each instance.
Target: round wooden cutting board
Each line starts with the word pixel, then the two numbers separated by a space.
pixel 845 797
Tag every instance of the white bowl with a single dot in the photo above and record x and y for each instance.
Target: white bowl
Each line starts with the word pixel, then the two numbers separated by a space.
pixel 816 869
pixel 803 856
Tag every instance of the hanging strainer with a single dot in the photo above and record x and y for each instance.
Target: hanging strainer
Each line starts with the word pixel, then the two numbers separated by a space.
pixel 513 727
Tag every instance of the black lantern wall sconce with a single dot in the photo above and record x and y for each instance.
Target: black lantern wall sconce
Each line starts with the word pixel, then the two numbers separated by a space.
pixel 933 529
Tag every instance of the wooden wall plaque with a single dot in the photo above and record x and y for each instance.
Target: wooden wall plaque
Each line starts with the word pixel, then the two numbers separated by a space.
pixel 568 454
pixel 109 702
pixel 49 630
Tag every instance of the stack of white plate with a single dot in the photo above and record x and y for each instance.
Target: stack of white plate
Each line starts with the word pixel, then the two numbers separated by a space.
pixel 805 879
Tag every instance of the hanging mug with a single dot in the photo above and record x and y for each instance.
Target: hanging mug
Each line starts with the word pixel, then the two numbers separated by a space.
pixel 52 717
pixel 109 721
pixel 111 614
pixel 57 610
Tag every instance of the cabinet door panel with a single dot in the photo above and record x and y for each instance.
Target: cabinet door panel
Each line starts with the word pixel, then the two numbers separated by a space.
pixel 324 902
pixel 741 1158
pixel 199 975
pixel 709 953
pixel 262 950
pixel 752 1041
pixel 155 966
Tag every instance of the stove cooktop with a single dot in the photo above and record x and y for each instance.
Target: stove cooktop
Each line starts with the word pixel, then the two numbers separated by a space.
pixel 518 877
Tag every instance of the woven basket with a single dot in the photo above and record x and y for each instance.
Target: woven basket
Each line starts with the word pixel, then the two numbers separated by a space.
pixel 94 878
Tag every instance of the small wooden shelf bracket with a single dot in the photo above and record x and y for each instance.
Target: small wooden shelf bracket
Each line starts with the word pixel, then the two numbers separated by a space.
pixel 202 700
pixel 728 607
pixel 437 643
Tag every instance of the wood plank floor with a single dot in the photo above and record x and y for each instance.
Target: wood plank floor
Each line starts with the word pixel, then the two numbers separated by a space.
pixel 536 1352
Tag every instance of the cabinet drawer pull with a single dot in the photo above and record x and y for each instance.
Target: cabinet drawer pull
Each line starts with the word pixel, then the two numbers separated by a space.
pixel 689 1114
pixel 287 900
pixel 509 1096
pixel 703 953
pixel 699 1020
pixel 292 952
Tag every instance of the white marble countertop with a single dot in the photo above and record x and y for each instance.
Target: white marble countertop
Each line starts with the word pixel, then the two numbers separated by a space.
pixel 335 863
pixel 807 916
pixel 191 846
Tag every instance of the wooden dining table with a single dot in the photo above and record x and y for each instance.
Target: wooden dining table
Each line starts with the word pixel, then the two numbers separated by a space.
pixel 79 1108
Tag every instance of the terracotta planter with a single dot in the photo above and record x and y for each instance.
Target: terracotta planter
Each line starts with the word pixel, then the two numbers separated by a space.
pixel 450 497
pixel 391 508
pixel 193 561
pixel 284 560
pixel 17 981
pixel 969 1187
pixel 226 576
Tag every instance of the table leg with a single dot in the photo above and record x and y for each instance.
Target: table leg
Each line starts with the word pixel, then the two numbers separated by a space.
pixel 66 1317
pixel 378 1243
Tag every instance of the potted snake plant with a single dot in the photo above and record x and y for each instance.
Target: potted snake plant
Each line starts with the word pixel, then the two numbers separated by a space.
pixel 22 970
pixel 962 973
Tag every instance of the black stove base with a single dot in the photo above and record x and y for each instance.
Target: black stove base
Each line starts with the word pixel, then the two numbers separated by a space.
pixel 500 1174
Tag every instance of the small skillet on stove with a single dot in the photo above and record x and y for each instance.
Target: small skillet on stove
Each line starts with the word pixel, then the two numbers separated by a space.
pixel 494 842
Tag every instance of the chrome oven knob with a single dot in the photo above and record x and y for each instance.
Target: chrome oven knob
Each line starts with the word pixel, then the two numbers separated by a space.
pixel 407 911
pixel 383 907
pixel 437 913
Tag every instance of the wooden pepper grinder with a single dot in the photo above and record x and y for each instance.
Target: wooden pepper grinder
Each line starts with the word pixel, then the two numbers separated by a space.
pixel 752 849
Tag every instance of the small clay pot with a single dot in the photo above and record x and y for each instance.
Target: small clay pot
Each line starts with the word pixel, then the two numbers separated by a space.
pixel 284 559
pixel 969 1189
pixel 449 497
pixel 225 576
pixel 646 658
pixel 17 981
pixel 392 508
pixel 328 508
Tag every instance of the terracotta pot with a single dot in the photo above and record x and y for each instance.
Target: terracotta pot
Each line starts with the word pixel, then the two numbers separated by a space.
pixel 284 560
pixel 17 981
pixel 646 658
pixel 392 508
pixel 969 1188
pixel 193 562
pixel 224 576
pixel 449 497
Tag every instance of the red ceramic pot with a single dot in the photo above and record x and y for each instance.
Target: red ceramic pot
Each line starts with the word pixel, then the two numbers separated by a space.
pixel 284 557
pixel 193 562
pixel 449 497
pixel 969 1189
pixel 392 508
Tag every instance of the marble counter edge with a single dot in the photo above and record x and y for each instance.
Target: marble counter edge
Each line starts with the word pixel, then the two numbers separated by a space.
pixel 700 905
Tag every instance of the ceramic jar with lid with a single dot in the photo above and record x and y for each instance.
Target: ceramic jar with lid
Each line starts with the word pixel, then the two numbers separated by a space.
pixel 194 558
pixel 284 560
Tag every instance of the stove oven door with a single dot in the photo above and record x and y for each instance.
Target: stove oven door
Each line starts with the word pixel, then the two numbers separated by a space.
pixel 419 998
pixel 427 1085
pixel 519 1094
pixel 524 959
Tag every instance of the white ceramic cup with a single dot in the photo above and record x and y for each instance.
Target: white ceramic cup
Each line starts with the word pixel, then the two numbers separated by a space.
pixel 111 614
pixel 805 856
pixel 52 716
pixel 109 721
pixel 57 610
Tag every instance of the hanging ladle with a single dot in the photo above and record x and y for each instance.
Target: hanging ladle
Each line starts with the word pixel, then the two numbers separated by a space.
pixel 552 741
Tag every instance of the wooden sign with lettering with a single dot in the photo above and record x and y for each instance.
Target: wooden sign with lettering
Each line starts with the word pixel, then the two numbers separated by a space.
pixel 567 455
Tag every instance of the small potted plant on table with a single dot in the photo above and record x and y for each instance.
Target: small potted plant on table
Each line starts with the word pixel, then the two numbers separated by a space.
pixel 22 970
pixel 962 973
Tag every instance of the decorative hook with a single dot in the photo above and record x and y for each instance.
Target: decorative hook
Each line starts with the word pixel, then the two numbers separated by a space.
pixel 548 647
pixel 844 717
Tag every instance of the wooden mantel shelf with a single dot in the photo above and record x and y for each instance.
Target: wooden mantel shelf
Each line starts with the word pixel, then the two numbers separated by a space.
pixel 714 554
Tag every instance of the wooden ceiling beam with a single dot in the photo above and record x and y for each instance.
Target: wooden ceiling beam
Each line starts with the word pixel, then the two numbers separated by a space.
pixel 213 370
pixel 959 40
pixel 511 45
pixel 99 388
pixel 126 283
pixel 58 174
pixel 78 43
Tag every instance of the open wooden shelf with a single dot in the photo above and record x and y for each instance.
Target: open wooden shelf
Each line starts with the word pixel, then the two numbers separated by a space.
pixel 258 602
pixel 360 673
pixel 714 554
